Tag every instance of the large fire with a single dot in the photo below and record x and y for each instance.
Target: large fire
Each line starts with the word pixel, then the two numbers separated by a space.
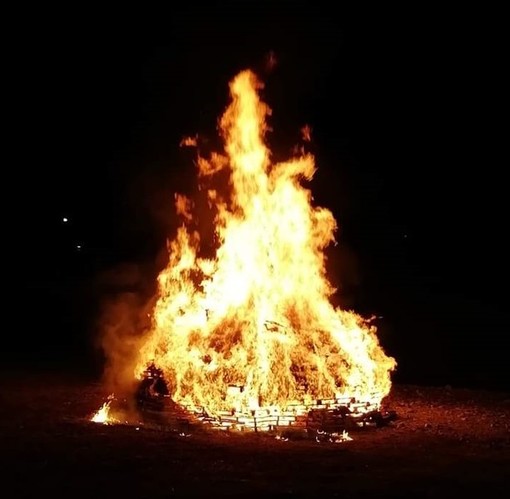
pixel 254 326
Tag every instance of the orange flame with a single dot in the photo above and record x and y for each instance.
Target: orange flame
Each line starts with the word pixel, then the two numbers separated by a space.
pixel 189 141
pixel 306 133
pixel 257 316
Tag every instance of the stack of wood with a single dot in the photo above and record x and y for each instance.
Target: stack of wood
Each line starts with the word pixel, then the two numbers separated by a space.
pixel 331 416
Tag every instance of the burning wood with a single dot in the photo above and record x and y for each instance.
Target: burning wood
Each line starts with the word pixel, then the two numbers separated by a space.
pixel 325 419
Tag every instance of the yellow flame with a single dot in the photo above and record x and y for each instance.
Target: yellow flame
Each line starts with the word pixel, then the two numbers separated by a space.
pixel 258 315
pixel 103 414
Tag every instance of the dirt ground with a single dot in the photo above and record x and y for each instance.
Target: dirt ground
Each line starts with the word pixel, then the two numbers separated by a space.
pixel 446 442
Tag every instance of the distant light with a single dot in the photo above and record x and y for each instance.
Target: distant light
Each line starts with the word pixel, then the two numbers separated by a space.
pixel 405 236
pixel 65 220
pixel 78 247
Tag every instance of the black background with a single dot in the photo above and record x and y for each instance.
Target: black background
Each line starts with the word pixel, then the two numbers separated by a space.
pixel 406 111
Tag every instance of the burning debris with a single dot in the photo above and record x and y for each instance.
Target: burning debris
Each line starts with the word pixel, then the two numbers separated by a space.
pixel 103 414
pixel 152 391
pixel 249 339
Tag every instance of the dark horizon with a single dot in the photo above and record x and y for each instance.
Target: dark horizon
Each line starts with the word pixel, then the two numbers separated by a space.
pixel 408 153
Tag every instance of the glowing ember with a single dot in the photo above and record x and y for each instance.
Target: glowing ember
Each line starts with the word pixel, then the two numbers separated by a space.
pixel 253 327
pixel 103 415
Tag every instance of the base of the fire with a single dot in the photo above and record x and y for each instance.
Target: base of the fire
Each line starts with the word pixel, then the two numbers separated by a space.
pixel 325 420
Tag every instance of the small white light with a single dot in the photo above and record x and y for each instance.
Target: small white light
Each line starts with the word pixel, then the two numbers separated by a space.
pixel 78 246
pixel 65 220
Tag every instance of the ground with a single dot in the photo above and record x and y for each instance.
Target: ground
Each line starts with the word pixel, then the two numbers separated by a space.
pixel 446 442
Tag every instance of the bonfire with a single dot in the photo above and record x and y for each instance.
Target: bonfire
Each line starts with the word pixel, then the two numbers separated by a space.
pixel 252 331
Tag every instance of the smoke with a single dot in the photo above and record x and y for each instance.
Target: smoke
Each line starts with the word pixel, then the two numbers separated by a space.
pixel 126 300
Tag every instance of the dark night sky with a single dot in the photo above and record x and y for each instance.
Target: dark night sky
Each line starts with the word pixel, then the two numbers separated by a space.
pixel 405 114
